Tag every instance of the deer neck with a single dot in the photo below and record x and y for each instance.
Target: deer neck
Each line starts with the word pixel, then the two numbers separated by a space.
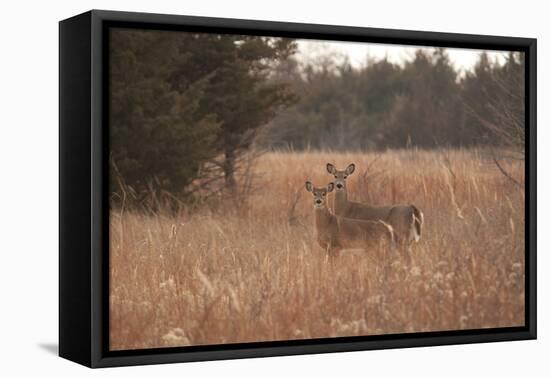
pixel 341 201
pixel 323 219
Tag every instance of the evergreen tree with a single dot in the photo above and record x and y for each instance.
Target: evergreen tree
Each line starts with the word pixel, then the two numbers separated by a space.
pixel 182 100
pixel 158 133
pixel 429 111
pixel 241 95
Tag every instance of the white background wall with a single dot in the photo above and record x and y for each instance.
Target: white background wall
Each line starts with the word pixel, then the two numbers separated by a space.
pixel 28 197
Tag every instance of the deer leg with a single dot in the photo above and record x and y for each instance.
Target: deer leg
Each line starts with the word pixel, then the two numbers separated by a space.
pixel 327 252
pixel 405 252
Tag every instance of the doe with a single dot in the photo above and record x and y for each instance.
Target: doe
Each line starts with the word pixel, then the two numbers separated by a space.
pixel 336 233
pixel 406 220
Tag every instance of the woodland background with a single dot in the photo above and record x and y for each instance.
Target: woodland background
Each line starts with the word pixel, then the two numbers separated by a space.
pixel 189 110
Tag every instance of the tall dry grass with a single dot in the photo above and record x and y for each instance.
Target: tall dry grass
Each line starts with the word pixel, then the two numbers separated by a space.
pixel 253 272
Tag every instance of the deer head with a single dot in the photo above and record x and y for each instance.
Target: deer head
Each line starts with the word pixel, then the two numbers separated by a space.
pixel 340 176
pixel 319 194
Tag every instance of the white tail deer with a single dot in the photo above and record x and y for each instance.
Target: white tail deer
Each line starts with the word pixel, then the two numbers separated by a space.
pixel 337 233
pixel 406 220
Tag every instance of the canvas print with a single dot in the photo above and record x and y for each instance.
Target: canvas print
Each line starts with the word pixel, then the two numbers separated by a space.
pixel 266 189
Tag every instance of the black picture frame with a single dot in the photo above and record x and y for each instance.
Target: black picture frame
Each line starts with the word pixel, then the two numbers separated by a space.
pixel 83 195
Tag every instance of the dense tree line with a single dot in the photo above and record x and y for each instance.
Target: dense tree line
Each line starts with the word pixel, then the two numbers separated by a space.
pixel 424 102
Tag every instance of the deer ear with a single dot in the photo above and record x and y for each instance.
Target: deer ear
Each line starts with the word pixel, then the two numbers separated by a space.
pixel 330 168
pixel 309 186
pixel 330 187
pixel 350 169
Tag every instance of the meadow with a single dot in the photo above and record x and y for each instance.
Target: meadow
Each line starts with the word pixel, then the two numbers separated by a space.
pixel 250 270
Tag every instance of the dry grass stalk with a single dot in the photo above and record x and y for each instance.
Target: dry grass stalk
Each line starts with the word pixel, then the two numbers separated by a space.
pixel 217 275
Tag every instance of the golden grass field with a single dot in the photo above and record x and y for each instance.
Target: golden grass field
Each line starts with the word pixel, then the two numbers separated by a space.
pixel 253 272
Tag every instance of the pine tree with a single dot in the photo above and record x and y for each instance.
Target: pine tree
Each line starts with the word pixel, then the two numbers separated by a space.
pixel 429 112
pixel 158 135
pixel 183 100
pixel 241 95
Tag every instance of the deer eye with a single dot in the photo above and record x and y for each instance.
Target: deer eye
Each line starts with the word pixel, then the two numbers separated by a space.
pixel 345 176
pixel 324 194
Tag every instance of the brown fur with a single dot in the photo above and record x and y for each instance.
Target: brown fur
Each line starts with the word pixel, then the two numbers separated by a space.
pixel 406 220
pixel 336 233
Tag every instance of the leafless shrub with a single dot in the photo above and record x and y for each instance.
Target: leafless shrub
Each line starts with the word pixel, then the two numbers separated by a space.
pixel 503 119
